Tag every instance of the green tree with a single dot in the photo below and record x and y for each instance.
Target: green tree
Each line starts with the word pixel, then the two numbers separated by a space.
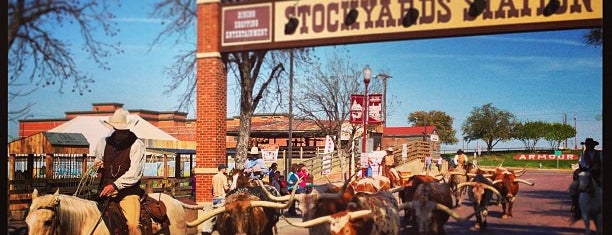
pixel 556 133
pixel 530 133
pixel 442 121
pixel 490 125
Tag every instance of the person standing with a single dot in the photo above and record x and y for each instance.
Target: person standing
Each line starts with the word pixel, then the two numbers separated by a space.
pixel 274 180
pixel 272 175
pixel 460 159
pixel 304 175
pixel 292 179
pixel 439 163
pixel 427 163
pixel 121 158
pixel 220 186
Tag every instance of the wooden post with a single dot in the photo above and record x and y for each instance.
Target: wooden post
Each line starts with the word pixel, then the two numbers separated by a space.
pixel 165 166
pixel 11 167
pixel 49 166
pixel 84 165
pixel 177 165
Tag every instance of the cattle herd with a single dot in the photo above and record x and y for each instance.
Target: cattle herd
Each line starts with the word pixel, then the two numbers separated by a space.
pixel 371 206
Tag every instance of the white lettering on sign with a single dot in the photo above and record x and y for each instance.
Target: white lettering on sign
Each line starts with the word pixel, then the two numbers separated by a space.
pixel 246 14
pixel 246 33
pixel 246 24
pixel 536 157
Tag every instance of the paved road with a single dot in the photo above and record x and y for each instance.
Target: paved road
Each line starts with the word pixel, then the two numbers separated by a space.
pixel 540 209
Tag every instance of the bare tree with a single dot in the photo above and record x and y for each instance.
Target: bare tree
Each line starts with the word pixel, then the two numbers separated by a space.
pixel 249 68
pixel 324 92
pixel 38 57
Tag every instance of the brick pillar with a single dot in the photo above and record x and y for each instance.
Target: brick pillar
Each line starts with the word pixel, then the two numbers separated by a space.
pixel 211 101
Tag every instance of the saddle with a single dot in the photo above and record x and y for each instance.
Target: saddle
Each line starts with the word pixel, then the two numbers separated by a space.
pixel 153 217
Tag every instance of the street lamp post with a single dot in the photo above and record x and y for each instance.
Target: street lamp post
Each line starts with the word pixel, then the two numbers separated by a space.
pixel 575 135
pixel 367 72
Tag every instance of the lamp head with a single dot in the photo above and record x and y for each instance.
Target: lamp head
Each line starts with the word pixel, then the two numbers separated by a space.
pixel 367 74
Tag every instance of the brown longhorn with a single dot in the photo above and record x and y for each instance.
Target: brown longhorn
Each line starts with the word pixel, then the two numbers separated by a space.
pixel 220 210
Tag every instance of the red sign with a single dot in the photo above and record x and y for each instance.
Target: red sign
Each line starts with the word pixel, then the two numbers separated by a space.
pixel 374 109
pixel 356 110
pixel 562 157
pixel 246 24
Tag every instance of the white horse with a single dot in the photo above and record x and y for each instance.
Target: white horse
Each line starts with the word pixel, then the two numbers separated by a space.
pixel 590 201
pixel 56 214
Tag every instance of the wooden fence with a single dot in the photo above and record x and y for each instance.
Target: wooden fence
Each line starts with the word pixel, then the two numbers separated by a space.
pixel 20 193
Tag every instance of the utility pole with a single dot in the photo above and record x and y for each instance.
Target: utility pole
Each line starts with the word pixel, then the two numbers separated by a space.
pixel 384 78
pixel 290 122
pixel 565 123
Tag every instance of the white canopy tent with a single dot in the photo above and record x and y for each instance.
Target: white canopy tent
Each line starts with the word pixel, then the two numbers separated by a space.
pixel 94 130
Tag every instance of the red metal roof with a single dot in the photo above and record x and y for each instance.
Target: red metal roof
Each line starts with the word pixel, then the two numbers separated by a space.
pixel 408 130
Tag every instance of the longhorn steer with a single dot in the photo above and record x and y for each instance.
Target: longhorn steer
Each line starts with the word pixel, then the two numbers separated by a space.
pixel 409 187
pixel 480 191
pixel 456 177
pixel 431 208
pixel 367 213
pixel 244 212
pixel 506 183
pixel 324 200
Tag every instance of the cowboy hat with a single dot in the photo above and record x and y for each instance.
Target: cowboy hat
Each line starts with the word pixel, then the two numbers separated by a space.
pixel 119 120
pixel 589 142
pixel 221 166
pixel 459 151
pixel 254 151
pixel 390 149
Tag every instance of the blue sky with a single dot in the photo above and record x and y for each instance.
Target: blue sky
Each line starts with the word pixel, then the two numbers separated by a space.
pixel 539 76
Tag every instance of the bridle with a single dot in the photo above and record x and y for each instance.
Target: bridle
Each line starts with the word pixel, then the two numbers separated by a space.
pixel 56 221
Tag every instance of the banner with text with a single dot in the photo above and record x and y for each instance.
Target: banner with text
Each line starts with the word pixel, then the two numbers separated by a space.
pixel 562 157
pixel 326 164
pixel 269 152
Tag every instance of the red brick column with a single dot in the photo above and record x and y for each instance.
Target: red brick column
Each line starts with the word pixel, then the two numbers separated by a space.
pixel 211 101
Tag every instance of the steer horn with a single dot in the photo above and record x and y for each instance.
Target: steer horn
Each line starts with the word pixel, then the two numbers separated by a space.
pixel 474 175
pixel 396 189
pixel 335 195
pixel 206 216
pixel 452 213
pixel 520 173
pixel 524 182
pixel 193 207
pixel 473 184
pixel 281 198
pixel 328 219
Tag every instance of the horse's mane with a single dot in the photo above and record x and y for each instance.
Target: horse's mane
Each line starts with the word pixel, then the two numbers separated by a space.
pixel 73 212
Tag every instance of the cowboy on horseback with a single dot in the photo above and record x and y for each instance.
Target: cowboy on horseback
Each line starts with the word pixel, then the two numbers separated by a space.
pixel 590 161
pixel 389 162
pixel 255 167
pixel 121 158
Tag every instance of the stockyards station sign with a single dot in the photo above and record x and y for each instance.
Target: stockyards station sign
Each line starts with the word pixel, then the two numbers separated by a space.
pixel 262 25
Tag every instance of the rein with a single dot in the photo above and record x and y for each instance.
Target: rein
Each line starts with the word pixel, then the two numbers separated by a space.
pixel 87 179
